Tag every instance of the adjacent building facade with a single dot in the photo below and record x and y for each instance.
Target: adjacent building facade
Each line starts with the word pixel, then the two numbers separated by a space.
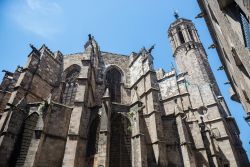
pixel 101 109
pixel 229 26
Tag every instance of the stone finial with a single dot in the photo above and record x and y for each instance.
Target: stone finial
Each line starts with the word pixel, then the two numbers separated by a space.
pixel 176 15
pixel 34 49
pixel 59 56
pixel 143 50
pixel 7 72
pixel 151 48
pixel 91 43
pixel 90 37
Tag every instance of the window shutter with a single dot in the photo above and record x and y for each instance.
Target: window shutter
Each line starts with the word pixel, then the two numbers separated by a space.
pixel 246 30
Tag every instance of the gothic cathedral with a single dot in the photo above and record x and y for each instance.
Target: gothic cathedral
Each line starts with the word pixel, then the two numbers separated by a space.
pixel 101 109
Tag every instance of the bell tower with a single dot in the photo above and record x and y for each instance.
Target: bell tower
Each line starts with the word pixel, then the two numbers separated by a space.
pixel 189 54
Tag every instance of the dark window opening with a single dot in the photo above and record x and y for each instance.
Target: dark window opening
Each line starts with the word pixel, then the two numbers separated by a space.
pixel 70 88
pixel 113 79
pixel 190 33
pixel 181 37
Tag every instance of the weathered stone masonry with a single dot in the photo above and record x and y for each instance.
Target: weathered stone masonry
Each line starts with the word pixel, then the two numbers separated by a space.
pixel 100 109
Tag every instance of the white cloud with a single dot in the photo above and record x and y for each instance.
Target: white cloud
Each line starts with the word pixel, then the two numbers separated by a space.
pixel 40 17
pixel 44 6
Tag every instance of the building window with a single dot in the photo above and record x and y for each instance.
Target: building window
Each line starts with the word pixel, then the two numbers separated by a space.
pixel 190 33
pixel 246 29
pixel 70 88
pixel 113 81
pixel 181 37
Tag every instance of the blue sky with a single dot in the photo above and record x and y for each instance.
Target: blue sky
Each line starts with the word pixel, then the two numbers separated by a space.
pixel 119 26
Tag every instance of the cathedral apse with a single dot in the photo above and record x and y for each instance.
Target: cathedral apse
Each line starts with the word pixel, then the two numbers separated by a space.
pixel 102 109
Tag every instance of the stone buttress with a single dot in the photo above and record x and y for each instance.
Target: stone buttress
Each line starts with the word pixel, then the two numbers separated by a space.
pixel 101 109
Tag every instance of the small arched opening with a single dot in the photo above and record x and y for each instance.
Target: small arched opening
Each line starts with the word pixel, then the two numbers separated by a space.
pixel 181 37
pixel 190 33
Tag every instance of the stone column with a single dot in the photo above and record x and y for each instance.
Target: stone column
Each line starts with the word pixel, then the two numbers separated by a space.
pixel 139 154
pixel 188 160
pixel 176 38
pixel 199 144
pixel 185 33
pixel 209 145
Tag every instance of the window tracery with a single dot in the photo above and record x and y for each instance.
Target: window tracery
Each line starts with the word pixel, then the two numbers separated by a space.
pixel 70 87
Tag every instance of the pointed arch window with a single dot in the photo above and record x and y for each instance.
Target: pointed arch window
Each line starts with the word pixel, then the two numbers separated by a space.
pixel 113 80
pixel 70 87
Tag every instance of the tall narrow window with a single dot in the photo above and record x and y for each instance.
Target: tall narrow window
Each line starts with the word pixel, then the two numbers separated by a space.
pixel 246 29
pixel 113 79
pixel 190 33
pixel 181 37
pixel 70 88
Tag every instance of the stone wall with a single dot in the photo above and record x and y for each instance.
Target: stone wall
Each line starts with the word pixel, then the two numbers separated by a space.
pixel 52 144
pixel 225 28
pixel 42 71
